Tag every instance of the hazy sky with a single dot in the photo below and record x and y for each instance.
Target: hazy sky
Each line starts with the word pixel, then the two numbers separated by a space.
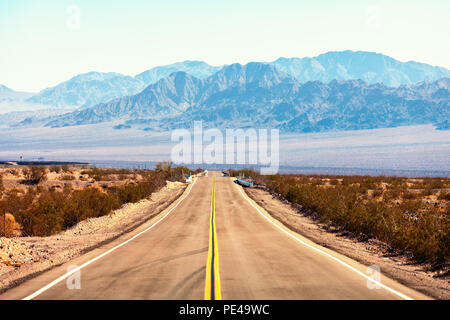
pixel 41 43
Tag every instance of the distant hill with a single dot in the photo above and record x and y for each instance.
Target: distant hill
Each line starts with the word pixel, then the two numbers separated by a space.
pixel 9 96
pixel 11 100
pixel 443 125
pixel 198 69
pixel 88 89
pixel 260 95
pixel 368 66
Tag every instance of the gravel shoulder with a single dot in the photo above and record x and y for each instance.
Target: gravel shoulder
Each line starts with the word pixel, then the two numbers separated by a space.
pixel 24 257
pixel 371 252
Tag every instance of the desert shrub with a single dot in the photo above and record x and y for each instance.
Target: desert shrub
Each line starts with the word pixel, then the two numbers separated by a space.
pixel 428 191
pixel 35 174
pixel 55 168
pixel 99 174
pixel 87 203
pixel 391 195
pixel 102 173
pixel 9 226
pixel 434 183
pixel 377 193
pixel 2 187
pixel 410 195
pixel 26 172
pixel 47 214
pixel 14 172
pixel 410 225
pixel 444 196
pixel 102 177
pixel 17 204
pixel 170 172
pixel 334 182
pixel 67 177
pixel 42 212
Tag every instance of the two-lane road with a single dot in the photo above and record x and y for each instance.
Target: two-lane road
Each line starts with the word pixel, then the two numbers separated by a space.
pixel 213 242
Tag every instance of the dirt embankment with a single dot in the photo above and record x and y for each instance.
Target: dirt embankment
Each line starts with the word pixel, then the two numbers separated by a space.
pixel 21 257
pixel 370 252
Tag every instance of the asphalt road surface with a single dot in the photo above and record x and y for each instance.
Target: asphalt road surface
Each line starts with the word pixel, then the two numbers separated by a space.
pixel 212 243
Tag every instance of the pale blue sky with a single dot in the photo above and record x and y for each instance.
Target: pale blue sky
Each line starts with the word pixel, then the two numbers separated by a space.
pixel 38 50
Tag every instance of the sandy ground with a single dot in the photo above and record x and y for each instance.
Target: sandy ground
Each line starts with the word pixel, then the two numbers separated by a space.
pixel 371 252
pixel 23 257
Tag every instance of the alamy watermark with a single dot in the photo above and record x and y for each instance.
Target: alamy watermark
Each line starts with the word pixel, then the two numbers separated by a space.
pixel 73 282
pixel 250 146
pixel 374 273
pixel 373 19
pixel 73 21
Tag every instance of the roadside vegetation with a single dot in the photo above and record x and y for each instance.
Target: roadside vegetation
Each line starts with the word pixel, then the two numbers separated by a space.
pixel 410 215
pixel 35 174
pixel 45 200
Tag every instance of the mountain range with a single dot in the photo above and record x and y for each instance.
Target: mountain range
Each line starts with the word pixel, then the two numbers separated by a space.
pixel 333 91
pixel 89 89
pixel 261 95
pixel 368 66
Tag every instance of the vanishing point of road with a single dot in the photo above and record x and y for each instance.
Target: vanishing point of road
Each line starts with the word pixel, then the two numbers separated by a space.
pixel 212 243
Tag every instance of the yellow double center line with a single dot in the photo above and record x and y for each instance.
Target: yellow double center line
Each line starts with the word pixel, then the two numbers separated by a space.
pixel 212 283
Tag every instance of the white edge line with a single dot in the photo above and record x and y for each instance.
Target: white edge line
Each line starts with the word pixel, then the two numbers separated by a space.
pixel 64 276
pixel 403 296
